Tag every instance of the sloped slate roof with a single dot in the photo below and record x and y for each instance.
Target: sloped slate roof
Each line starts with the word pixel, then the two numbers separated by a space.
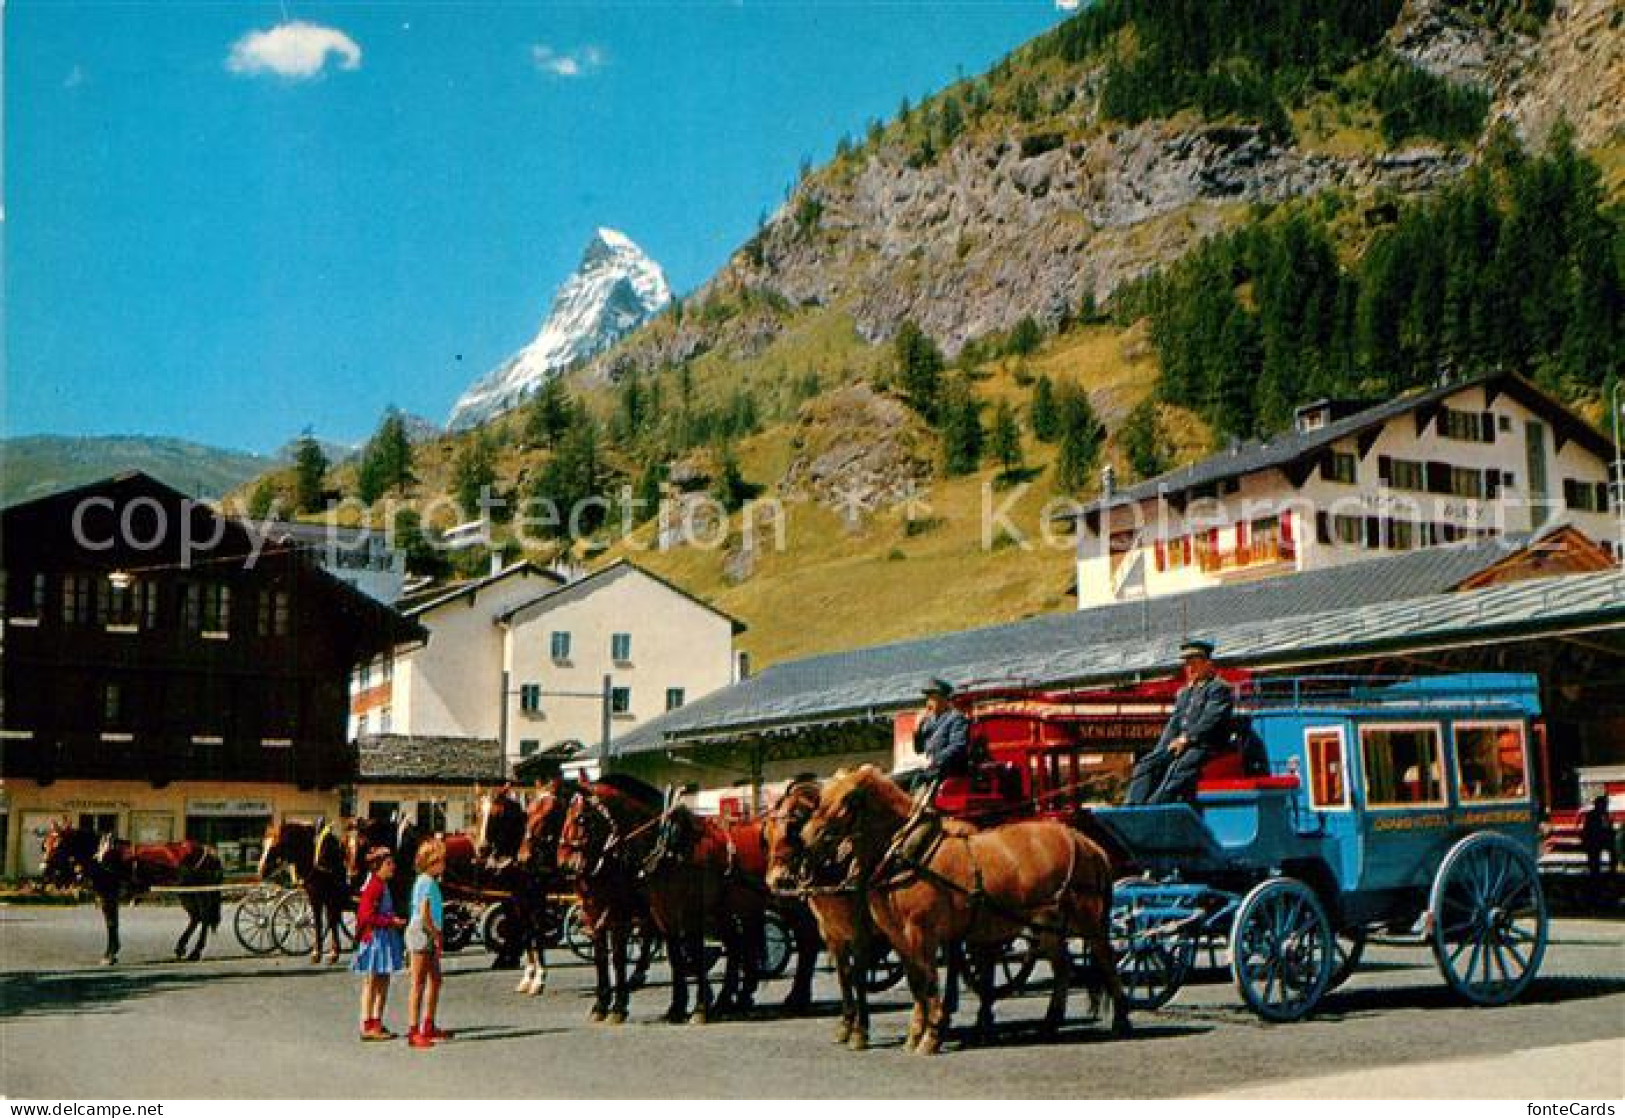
pixel 1292 446
pixel 570 591
pixel 1305 616
pixel 414 759
pixel 416 606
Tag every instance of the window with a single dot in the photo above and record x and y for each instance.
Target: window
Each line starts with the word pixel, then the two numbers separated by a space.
pixel 1401 765
pixel 620 700
pixel 1401 473
pixel 561 647
pixel 530 698
pixel 1349 530
pixel 1466 483
pixel 674 698
pixel 1342 467
pixel 1401 535
pixel 272 615
pixel 1328 769
pixel 133 605
pixel 112 704
pixel 1491 762
pixel 207 608
pixel 1467 426
pixel 528 746
pixel 431 817
pixel 23 596
pixel 1585 496
pixel 620 647
pixel 76 591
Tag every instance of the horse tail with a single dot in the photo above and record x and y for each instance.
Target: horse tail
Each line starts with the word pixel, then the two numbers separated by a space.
pixel 210 872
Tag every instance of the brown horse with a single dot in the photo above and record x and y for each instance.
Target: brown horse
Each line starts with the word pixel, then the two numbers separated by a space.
pixel 840 907
pixel 114 868
pixel 604 840
pixel 527 871
pixel 936 882
pixel 317 857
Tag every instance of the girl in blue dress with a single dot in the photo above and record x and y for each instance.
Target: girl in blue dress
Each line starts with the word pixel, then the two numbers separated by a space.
pixel 379 949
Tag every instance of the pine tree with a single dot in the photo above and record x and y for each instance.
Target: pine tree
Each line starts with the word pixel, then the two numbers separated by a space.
pixel 1080 449
pixel 1046 421
pixel 1141 439
pixel 263 500
pixel 648 492
pixel 473 474
pixel 386 461
pixel 1006 439
pixel 1025 337
pixel 548 414
pixel 730 488
pixel 310 466
pixel 962 435
pixel 573 476
pixel 919 369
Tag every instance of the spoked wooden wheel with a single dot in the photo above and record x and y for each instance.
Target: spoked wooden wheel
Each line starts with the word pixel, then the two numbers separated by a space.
pixel 1489 919
pixel 1348 946
pixel 1281 951
pixel 575 934
pixel 1152 964
pixel 253 922
pixel 293 924
pixel 885 969
pixel 1012 966
pixel 778 945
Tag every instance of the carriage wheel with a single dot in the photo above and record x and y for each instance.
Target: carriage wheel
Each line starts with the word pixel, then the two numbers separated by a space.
pixel 1489 919
pixel 643 947
pixel 1150 965
pixel 575 933
pixel 778 944
pixel 1281 951
pixel 1348 946
pixel 499 929
pixel 1012 967
pixel 253 922
pixel 885 971
pixel 293 924
pixel 460 926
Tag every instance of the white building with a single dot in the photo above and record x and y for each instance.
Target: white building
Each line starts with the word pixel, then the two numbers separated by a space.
pixel 589 660
pixel 542 664
pixel 1464 461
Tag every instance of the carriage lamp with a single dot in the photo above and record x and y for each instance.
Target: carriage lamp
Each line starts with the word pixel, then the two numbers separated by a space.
pixel 120 580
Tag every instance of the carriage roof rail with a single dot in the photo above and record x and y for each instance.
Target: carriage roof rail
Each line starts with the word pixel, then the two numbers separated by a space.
pixel 1480 691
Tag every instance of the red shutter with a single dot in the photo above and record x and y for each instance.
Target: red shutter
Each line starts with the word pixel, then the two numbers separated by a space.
pixel 1286 527
pixel 1162 556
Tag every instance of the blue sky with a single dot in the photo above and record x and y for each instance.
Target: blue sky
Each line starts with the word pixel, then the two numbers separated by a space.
pixel 229 237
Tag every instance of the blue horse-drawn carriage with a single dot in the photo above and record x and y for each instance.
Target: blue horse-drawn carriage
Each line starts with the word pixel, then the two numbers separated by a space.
pixel 1399 807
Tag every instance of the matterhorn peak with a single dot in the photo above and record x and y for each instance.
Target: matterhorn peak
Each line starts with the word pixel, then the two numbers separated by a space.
pixel 615 289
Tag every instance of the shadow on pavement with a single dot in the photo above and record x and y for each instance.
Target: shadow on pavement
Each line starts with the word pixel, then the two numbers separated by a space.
pixel 102 991
pixel 1543 991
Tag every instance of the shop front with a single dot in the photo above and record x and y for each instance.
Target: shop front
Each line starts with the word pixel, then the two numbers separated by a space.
pixel 231 818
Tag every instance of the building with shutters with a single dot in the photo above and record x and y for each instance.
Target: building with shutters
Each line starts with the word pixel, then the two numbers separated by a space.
pixel 1465 461
pixel 168 672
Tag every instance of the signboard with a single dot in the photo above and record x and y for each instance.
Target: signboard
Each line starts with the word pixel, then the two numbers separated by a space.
pixel 231 809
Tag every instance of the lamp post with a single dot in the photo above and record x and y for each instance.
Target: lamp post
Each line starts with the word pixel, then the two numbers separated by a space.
pixel 605 696
pixel 1616 483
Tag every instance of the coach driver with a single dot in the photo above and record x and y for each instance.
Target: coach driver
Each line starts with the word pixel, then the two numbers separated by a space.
pixel 1200 725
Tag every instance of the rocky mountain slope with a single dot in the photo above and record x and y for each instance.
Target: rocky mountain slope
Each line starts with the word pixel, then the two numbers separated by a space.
pixel 615 289
pixel 34 465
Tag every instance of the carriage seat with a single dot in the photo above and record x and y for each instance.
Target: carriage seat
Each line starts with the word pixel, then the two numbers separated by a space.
pixel 1227 772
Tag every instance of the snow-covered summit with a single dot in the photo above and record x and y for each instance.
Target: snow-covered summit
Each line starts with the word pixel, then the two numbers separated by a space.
pixel 615 289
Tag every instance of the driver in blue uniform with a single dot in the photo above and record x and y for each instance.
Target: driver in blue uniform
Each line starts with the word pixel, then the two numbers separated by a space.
pixel 1199 726
pixel 942 734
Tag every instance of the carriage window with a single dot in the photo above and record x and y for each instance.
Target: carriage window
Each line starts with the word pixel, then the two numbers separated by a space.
pixel 1401 765
pixel 1328 769
pixel 1491 762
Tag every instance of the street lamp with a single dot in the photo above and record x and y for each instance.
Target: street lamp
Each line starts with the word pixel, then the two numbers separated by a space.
pixel 1616 484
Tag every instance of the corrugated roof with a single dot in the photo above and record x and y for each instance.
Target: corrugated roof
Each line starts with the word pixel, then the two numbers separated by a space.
pixel 1293 446
pixel 1335 610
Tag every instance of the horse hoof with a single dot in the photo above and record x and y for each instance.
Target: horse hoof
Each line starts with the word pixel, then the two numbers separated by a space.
pixel 843 1032
pixel 675 1016
pixel 109 960
pixel 315 958
pixel 524 986
pixel 698 1017
pixel 859 1041
pixel 333 959
pixel 1121 1026
pixel 596 1015
pixel 616 1018
pixel 928 1046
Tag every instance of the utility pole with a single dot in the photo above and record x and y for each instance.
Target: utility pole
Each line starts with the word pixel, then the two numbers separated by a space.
pixel 603 744
pixel 1616 483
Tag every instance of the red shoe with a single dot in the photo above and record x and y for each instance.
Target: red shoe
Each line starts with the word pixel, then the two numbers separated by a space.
pixel 373 1029
pixel 419 1040
pixel 435 1032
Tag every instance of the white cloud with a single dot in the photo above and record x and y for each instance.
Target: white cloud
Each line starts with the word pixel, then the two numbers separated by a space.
pixel 296 50
pixel 572 64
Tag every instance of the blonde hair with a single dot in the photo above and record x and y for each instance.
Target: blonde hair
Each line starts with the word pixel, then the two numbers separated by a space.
pixel 432 851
